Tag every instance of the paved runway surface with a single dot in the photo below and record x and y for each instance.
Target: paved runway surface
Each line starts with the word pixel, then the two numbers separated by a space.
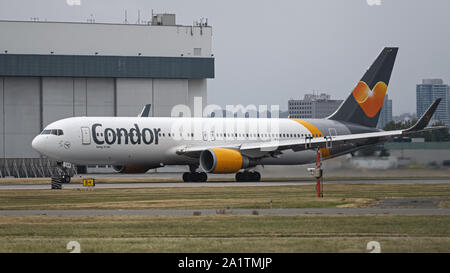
pixel 128 185
pixel 175 212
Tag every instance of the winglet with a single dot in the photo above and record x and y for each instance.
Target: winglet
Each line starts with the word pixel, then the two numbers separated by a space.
pixel 425 119
pixel 145 111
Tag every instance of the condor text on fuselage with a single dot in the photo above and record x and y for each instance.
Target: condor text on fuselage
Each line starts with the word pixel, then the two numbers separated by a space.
pixel 119 136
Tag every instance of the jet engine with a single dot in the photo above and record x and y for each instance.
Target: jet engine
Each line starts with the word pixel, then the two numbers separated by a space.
pixel 223 160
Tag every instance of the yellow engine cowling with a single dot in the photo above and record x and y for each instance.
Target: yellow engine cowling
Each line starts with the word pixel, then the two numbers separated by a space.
pixel 132 169
pixel 222 160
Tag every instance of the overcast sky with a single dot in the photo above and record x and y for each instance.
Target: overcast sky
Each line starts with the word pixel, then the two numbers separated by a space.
pixel 270 51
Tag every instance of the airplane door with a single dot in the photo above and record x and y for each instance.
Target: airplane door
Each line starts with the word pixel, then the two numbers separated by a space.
pixel 330 137
pixel 332 132
pixel 85 136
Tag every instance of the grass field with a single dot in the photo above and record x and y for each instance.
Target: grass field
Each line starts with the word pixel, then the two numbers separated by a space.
pixel 226 233
pixel 223 233
pixel 302 196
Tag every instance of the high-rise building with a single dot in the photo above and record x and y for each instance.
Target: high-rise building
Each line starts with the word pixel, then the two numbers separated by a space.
pixel 427 92
pixel 385 113
pixel 313 106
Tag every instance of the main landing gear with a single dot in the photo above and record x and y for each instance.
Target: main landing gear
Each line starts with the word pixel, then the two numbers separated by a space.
pixel 194 176
pixel 247 176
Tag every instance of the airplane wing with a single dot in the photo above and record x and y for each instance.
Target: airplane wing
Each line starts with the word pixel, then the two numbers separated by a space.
pixel 270 148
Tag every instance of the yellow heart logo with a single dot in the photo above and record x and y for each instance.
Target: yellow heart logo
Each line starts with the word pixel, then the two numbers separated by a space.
pixel 370 101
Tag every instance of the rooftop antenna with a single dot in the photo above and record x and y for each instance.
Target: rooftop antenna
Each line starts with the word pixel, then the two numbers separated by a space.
pixel 151 18
pixel 139 17
pixel 91 19
pixel 126 17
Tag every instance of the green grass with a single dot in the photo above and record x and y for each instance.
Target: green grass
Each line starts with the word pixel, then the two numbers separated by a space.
pixel 226 233
pixel 223 233
pixel 301 196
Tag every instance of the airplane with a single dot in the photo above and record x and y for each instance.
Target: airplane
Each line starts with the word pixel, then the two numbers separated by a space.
pixel 228 145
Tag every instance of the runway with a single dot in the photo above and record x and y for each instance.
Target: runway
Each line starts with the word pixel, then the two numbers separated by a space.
pixel 264 212
pixel 134 185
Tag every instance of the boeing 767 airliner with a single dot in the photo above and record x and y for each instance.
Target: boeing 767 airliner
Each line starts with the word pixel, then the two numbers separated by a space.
pixel 228 145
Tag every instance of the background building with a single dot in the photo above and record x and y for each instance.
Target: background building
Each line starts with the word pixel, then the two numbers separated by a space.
pixel 54 70
pixel 385 113
pixel 313 106
pixel 427 92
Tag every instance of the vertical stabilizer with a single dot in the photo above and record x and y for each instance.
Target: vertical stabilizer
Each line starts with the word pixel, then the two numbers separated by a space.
pixel 364 103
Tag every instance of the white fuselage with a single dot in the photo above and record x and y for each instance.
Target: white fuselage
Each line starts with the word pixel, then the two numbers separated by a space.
pixel 155 141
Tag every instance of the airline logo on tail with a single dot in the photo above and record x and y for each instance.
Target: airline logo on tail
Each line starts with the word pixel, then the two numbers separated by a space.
pixel 369 100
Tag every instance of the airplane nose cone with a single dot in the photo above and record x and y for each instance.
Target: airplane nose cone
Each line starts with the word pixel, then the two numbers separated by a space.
pixel 38 144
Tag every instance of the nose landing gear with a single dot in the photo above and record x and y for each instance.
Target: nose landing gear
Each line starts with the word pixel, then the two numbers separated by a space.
pixel 63 171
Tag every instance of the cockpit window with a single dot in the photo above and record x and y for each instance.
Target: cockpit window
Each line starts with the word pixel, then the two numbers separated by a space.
pixel 56 132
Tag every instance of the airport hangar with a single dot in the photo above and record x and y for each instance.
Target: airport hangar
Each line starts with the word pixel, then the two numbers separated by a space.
pixel 54 70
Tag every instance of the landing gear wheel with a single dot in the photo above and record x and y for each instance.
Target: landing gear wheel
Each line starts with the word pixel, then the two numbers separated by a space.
pixel 257 176
pixel 239 177
pixel 186 177
pixel 66 178
pixel 195 177
pixel 248 176
pixel 203 177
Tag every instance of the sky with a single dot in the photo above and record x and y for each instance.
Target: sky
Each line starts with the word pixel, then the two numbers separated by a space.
pixel 267 52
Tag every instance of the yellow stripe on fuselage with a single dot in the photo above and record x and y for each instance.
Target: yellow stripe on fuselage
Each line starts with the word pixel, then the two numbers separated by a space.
pixel 325 152
pixel 311 128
